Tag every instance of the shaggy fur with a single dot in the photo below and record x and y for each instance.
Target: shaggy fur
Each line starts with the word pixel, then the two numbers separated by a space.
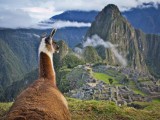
pixel 41 100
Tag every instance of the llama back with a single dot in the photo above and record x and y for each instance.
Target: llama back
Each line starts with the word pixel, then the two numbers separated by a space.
pixel 40 101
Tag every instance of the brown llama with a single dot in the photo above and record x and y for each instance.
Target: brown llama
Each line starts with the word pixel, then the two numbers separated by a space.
pixel 42 100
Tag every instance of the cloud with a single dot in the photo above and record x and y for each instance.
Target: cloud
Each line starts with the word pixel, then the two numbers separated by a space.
pixel 99 4
pixel 39 13
pixel 95 41
pixel 78 50
pixel 37 36
pixel 38 10
pixel 15 19
pixel 60 24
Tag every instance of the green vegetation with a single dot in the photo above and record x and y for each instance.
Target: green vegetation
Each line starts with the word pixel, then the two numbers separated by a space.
pixel 71 61
pixel 113 80
pixel 69 79
pixel 156 100
pixel 143 79
pixel 91 55
pixel 138 92
pixel 62 82
pixel 105 110
pixel 4 107
pixel 104 77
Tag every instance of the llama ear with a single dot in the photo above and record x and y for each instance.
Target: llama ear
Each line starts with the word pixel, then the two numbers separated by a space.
pixel 53 32
pixel 43 35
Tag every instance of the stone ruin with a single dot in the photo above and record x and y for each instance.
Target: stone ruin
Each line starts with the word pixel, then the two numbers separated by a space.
pixel 98 90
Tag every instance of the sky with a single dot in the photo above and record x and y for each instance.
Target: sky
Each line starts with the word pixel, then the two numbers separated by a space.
pixel 24 13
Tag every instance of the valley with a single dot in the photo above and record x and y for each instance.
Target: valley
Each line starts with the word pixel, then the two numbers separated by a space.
pixel 110 70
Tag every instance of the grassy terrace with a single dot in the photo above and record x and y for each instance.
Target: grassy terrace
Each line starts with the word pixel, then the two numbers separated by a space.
pixel 104 77
pixel 105 110
pixel 4 107
pixel 139 92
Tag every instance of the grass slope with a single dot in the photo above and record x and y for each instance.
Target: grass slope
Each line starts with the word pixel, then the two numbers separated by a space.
pixel 105 110
pixel 4 107
pixel 104 77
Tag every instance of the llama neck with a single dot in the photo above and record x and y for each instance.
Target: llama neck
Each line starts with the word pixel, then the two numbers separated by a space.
pixel 46 69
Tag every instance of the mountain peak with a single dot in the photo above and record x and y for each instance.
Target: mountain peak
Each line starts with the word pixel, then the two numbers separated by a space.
pixel 111 9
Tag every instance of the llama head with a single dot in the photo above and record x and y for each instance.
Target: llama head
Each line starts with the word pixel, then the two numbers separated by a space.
pixel 48 45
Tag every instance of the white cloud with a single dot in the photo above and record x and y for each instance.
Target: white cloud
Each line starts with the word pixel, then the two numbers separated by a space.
pixel 95 40
pixel 15 18
pixel 60 24
pixel 38 10
pixel 98 4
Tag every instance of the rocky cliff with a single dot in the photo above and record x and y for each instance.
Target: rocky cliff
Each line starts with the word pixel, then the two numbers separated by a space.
pixel 139 49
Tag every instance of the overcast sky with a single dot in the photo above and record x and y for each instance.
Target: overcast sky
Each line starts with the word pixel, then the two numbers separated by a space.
pixel 23 13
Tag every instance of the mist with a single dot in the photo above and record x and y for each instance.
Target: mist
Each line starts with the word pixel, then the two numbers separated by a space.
pixel 95 41
pixel 60 24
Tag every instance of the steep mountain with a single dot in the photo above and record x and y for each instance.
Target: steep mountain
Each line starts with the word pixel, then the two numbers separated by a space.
pixel 147 18
pixel 138 48
pixel 78 16
pixel 18 55
pixel 71 35
pixel 9 62
pixel 13 90
pixel 152 54
pixel 91 55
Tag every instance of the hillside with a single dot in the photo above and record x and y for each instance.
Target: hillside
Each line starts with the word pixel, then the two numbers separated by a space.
pixel 8 65
pixel 102 110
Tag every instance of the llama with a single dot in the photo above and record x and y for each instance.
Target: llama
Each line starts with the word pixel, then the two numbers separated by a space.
pixel 42 100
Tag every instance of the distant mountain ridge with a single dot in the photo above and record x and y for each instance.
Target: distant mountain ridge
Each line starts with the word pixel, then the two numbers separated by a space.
pixel 66 19
pixel 78 16
pixel 146 18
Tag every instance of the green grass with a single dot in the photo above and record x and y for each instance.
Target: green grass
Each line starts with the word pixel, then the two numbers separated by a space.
pixel 156 100
pixel 4 107
pixel 132 83
pixel 104 77
pixel 135 90
pixel 105 110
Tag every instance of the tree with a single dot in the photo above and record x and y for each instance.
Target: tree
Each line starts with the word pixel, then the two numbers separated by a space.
pixel 110 80
pixel 126 80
